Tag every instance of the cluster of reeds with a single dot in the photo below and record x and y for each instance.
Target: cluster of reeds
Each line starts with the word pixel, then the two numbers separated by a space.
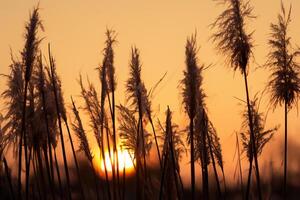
pixel 36 119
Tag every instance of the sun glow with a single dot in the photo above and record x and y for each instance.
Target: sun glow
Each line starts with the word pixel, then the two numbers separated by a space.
pixel 125 161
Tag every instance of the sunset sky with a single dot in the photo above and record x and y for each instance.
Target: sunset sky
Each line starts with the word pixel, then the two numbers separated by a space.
pixel 76 31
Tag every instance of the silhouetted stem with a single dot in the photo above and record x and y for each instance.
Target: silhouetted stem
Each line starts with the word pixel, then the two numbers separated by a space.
pixel 162 178
pixel 8 176
pixel 240 166
pixel 41 170
pixel 48 172
pixel 60 126
pixel 155 138
pixel 112 161
pixel 58 174
pixel 252 137
pixel 214 166
pixel 174 165
pixel 75 158
pixel 36 178
pixel 48 131
pixel 138 165
pixel 124 181
pixel 104 161
pixel 225 187
pixel 285 149
pixel 204 164
pixel 96 180
pixel 23 130
pixel 192 157
pixel 115 141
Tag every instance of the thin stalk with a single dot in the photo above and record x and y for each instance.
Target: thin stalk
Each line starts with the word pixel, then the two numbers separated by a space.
pixel 155 138
pixel 180 181
pixel 27 160
pixel 162 178
pixel 138 165
pixel 204 166
pixel 8 178
pixel 192 157
pixel 240 166
pixel 58 174
pixel 115 141
pixel 143 146
pixel 225 187
pixel 102 104
pixel 285 150
pixel 48 131
pixel 104 162
pixel 174 165
pixel 23 130
pixel 112 161
pixel 40 174
pixel 36 178
pixel 124 181
pixel 48 172
pixel 96 180
pixel 252 138
pixel 41 170
pixel 60 126
pixel 214 166
pixel 75 158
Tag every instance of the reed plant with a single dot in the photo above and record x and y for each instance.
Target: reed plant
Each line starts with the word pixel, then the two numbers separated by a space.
pixel 261 135
pixel 235 42
pixel 284 82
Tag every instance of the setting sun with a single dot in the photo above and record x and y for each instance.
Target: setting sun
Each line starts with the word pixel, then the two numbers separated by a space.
pixel 125 160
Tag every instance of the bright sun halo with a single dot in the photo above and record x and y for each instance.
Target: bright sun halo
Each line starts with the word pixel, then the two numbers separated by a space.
pixel 124 159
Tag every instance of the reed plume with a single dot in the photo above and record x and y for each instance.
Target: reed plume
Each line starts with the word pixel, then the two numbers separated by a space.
pixel 284 82
pixel 3 159
pixel 28 54
pixel 12 118
pixel 128 127
pixel 93 108
pixel 59 113
pixel 108 61
pixel 261 135
pixel 84 143
pixel 233 40
pixel 173 147
pixel 191 90
pixel 137 98
pixel 216 149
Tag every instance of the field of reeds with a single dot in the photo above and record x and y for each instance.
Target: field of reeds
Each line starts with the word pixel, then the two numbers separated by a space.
pixel 47 142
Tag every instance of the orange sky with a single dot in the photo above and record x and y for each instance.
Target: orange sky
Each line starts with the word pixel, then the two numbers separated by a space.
pixel 159 29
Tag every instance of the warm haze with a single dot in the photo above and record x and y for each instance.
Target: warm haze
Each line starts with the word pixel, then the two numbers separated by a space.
pixel 76 31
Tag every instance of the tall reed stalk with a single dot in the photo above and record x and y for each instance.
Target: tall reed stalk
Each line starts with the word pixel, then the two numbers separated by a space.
pixel 92 106
pixel 49 164
pixel 58 112
pixel 284 83
pixel 239 165
pixel 261 136
pixel 111 87
pixel 135 89
pixel 84 143
pixel 8 176
pixel 233 41
pixel 190 94
pixel 29 54
pixel 172 149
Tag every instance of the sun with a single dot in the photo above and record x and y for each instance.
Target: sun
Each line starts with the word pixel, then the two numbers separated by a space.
pixel 125 160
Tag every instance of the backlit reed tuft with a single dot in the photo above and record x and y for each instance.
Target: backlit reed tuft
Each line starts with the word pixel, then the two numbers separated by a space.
pixel 284 81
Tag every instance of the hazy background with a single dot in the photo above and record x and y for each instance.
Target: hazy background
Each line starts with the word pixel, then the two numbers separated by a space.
pixel 159 29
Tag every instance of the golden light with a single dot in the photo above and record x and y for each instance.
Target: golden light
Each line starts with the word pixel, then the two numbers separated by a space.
pixel 125 161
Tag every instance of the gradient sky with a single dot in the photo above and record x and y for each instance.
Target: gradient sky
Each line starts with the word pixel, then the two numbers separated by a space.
pixel 159 29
